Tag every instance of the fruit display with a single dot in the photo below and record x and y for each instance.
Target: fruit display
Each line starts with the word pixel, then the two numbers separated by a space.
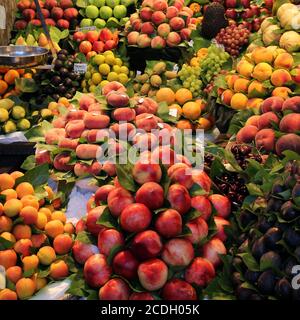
pixel 35 238
pixel 159 25
pixel 8 81
pixel 59 13
pixel 102 69
pixel 102 13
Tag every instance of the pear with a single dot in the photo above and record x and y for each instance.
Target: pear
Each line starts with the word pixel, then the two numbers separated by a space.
pixel 21 41
pixel 43 41
pixel 30 40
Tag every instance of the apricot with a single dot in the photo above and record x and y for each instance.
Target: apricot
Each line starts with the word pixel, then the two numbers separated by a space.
pixel 30 262
pixel 256 90
pixel 30 200
pixel 179 198
pixel 125 264
pixel 108 240
pixel 151 194
pixel 9 194
pixel 280 77
pixel 283 92
pixel 23 247
pixel 59 270
pixel 6 181
pixel 262 71
pixel 238 101
pixel 12 207
pixel 69 228
pixel 24 189
pixel 59 215
pixel 21 231
pixel 153 274
pixel 82 251
pixel 25 288
pixel 201 272
pixel 246 134
pixel 29 215
pixel 8 258
pixel 290 141
pixel 7 294
pixel 254 103
pixel 40 283
pixel 54 228
pixel 292 104
pixel 212 249
pixel 17 174
pixel 47 212
pixel 38 240
pixel 62 244
pixel 46 255
pixel 41 221
pixel 244 68
pixel 114 289
pixel 5 224
pixel 267 120
pixel 284 60
pixel 118 199
pixel 261 54
pixel 14 274
pixel 178 253
pixel 8 236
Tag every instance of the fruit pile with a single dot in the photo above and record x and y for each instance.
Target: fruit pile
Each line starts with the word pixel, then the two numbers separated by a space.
pixel 158 25
pixel 7 81
pixel 35 239
pixel 279 118
pixel 61 14
pixel 102 69
pixel 93 41
pixel 101 13
pixel 261 73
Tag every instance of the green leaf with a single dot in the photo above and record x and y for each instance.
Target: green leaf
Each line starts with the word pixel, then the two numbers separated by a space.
pixel 107 220
pixel 44 272
pixel 217 168
pixel 186 231
pixel 28 273
pixel 10 285
pixel 124 173
pixel 19 220
pixel 197 190
pixel 192 214
pixel 2 198
pixel 254 189
pixel 78 285
pixel 36 176
pixel 37 133
pixel 229 157
pixel 65 187
pixel 92 294
pixel 163 113
pixel 165 180
pixel 249 261
pixel 29 163
pixel 26 85
pixel 71 263
pixel 85 237
pixel 5 244
pixel 114 250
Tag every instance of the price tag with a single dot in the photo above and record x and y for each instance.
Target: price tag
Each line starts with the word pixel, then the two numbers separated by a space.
pixel 173 112
pixel 138 73
pixel 2 18
pixel 191 43
pixel 80 67
pixel 2 278
pixel 87 28
pixel 141 100
pixel 175 68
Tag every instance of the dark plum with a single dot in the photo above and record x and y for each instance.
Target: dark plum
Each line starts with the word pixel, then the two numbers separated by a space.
pixel 292 237
pixel 266 282
pixel 244 293
pixel 259 248
pixel 288 212
pixel 283 289
pixel 271 259
pixel 272 236
pixel 252 276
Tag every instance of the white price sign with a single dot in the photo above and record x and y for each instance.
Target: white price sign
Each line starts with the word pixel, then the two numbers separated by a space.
pixel 80 67
pixel 87 28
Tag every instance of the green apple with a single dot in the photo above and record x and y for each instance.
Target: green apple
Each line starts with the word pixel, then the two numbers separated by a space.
pixel 92 12
pixel 23 124
pixel 126 3
pixel 91 1
pixel 112 3
pixel 105 12
pixel 9 127
pixel 99 23
pixel 86 23
pixel 120 11
pixel 99 3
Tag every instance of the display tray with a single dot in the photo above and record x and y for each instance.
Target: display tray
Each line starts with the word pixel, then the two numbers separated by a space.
pixel 13 154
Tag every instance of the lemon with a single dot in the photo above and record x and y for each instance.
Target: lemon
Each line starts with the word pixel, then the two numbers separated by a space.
pixel 118 62
pixel 124 69
pixel 104 69
pixel 18 112
pixel 108 52
pixel 96 78
pixel 116 68
pixel 24 124
pixel 88 75
pixel 45 113
pixel 92 88
pixel 9 127
pixel 110 59
pixel 103 83
pixel 123 78
pixel 112 76
pixel 3 115
pixel 99 59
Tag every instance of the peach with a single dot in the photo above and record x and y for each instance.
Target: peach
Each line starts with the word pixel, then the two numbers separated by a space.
pixel 96 120
pixel 146 245
pixel 220 223
pixel 283 92
pixel 85 101
pixel 102 193
pixel 95 135
pixel 284 60
pixel 25 288
pixel 59 270
pixel 153 274
pixel 292 104
pixel 23 247
pixel 182 174
pixel 212 249
pixel 96 271
pixel 88 151
pixel 59 122
pixel 158 43
pixel 8 258
pixel 178 253
pixel 201 272
pixel 135 217
pixel 108 240
pixel 163 30
pixel 146 121
pixel 256 90
pixel 246 134
pixel 12 207
pixel 244 68
pixel 290 123
pixel 176 23
pixel 118 199
pixel 42 156
pixel 202 179
pixel 267 120
pixel 262 71
pixel 160 5
pixel 151 194
pixel 46 255
pixel 92 218
pixel 30 262
pixel 22 231
pixel 117 99
pixel 125 264
pixel 221 204
pixel 295 73
pixel 124 114
pixel 146 172
pixel 113 86
pixel 123 130
pixel 289 141
pixel 74 128
pixel 29 215
pixel 5 224
pixel 54 228
pixel 61 162
pixel 82 251
pixel 226 96
pixel 199 230
pixel 163 154
pixel 7 294
pixel 145 141
pixel 40 283
pixel 53 136
pixel 67 143
pixel 81 169
pixel 14 274
pixel 169 223
pixel 62 244
pixel 133 35
pixel 158 17
pixel 179 198
pixel 31 201
pixel 146 105
pixel 172 12
pixel 146 14
pixel 38 240
pixel 173 39
pixel 74 114
pixel 114 289
pixel 280 77
pixel 141 296
pixel 8 236
pixel 185 33
pixel 177 289
pixel 272 104
pixel 241 85
pixel 261 54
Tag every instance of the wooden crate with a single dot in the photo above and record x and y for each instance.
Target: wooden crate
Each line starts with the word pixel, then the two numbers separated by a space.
pixel 7 18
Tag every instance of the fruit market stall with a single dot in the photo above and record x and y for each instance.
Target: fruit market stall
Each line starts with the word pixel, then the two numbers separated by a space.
pixel 155 155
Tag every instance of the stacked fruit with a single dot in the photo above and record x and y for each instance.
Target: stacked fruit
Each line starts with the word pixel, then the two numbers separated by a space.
pixel 93 41
pixel 62 80
pixel 61 14
pixel 158 25
pixel 268 247
pixel 13 117
pixel 7 81
pixel 261 73
pixel 32 236
pixel 102 69
pixel 157 73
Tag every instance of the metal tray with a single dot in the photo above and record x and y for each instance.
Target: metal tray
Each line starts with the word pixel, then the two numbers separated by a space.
pixel 22 56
